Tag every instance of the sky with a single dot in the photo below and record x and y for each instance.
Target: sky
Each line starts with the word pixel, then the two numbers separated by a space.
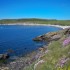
pixel 46 9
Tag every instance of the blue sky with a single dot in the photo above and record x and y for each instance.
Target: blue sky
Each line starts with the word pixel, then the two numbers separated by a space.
pixel 48 9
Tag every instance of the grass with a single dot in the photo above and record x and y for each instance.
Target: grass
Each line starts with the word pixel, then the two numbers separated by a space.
pixel 56 57
pixel 30 67
pixel 35 20
pixel 56 52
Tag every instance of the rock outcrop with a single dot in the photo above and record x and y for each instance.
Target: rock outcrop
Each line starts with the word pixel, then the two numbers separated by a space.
pixel 48 37
pixel 53 35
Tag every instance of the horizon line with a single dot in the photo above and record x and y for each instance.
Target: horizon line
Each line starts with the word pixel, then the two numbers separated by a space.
pixel 31 18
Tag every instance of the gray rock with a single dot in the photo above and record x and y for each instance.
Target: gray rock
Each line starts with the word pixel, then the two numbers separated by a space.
pixel 55 37
pixel 1 55
pixel 4 56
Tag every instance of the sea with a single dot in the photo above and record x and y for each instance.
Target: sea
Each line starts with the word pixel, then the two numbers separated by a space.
pixel 18 39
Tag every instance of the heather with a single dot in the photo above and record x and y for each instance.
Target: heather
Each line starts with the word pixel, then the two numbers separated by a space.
pixel 66 41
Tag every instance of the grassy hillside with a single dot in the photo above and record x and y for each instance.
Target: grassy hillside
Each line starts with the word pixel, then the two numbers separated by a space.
pixel 33 20
pixel 55 58
pixel 56 55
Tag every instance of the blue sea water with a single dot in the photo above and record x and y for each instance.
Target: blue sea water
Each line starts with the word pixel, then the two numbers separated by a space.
pixel 19 38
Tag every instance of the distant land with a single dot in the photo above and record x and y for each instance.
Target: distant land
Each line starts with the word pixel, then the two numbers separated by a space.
pixel 36 21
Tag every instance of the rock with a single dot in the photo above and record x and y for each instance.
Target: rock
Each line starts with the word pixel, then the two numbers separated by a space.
pixel 1 55
pixel 67 31
pixel 56 37
pixel 48 37
pixel 38 39
pixel 4 56
pixel 53 35
pixel 43 49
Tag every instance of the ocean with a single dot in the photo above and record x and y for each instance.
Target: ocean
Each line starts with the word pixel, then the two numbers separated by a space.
pixel 18 38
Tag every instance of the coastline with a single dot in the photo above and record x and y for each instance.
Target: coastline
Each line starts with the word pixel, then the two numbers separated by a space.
pixel 36 24
pixel 33 57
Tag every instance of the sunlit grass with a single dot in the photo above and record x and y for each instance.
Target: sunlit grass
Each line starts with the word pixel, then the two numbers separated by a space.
pixel 57 51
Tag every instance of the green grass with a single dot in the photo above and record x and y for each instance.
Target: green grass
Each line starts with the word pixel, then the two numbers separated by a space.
pixel 56 52
pixel 38 21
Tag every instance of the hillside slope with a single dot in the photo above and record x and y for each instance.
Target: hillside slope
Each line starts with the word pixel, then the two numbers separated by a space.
pixel 56 56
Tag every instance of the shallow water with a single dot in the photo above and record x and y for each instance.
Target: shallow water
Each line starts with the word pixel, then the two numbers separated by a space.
pixel 19 38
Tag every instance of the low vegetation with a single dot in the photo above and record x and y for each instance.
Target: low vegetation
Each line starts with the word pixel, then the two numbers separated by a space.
pixel 38 21
pixel 57 56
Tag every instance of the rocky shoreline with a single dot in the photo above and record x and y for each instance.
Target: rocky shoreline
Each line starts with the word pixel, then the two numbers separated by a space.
pixel 34 60
pixel 21 62
pixel 55 37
